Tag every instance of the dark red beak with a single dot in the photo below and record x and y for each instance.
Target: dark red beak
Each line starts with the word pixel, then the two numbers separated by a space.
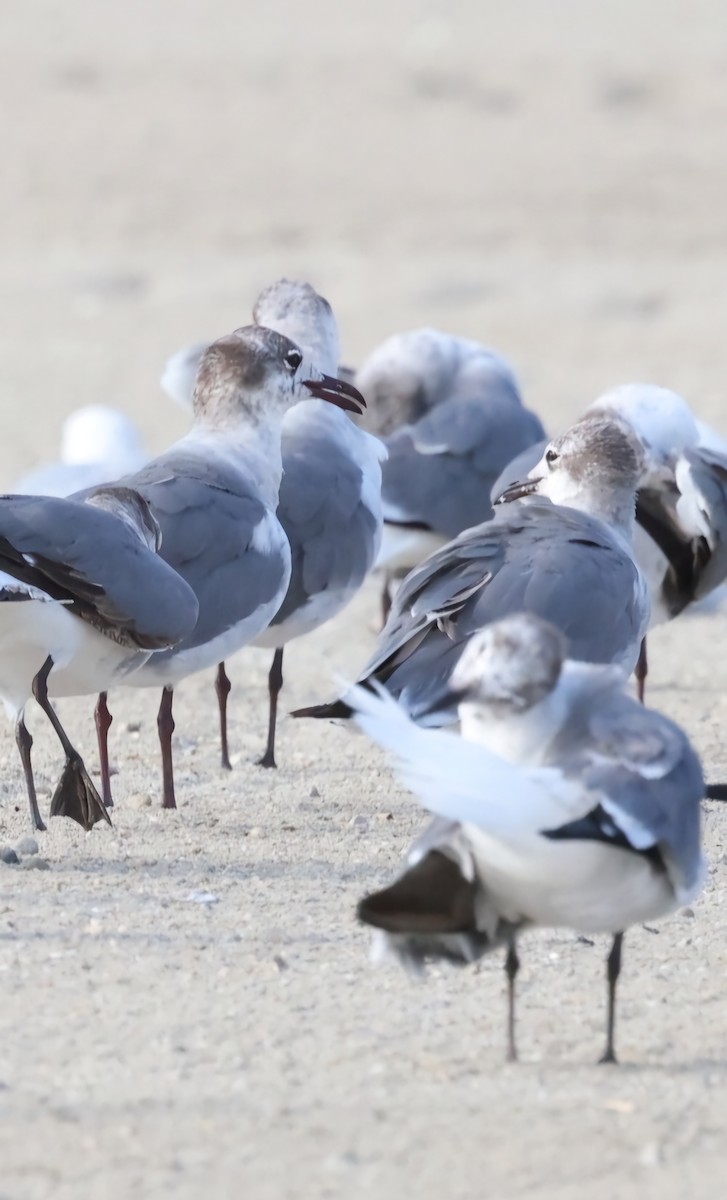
pixel 336 391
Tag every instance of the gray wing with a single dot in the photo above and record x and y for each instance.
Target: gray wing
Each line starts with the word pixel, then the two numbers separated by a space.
pixel 440 471
pixel 518 468
pixel 525 560
pixel 708 476
pixel 650 785
pixel 209 523
pixel 94 563
pixel 333 534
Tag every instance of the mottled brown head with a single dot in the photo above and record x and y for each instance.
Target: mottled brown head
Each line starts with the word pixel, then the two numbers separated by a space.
pixel 247 374
pixel 595 466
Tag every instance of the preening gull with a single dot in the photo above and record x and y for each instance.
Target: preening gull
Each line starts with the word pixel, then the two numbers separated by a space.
pixel 565 803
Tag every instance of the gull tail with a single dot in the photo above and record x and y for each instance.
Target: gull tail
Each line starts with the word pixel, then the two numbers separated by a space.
pixel 462 780
pixel 336 709
pixel 433 911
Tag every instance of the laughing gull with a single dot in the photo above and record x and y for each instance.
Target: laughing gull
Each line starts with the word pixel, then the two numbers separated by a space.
pixel 84 600
pixel 453 415
pixel 330 495
pixel 565 804
pixel 98 444
pixel 680 538
pixel 565 556
pixel 214 495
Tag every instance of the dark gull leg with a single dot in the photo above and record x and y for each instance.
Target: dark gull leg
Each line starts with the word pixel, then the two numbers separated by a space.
pixel 275 683
pixel 165 725
pixel 24 743
pixel 512 966
pixel 103 720
pixel 641 670
pixel 613 970
pixel 223 687
pixel 75 796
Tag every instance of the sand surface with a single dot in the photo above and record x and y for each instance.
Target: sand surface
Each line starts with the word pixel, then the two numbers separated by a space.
pixel 548 178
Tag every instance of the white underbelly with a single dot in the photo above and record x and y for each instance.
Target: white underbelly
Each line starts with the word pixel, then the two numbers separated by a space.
pixel 168 671
pixel 319 608
pixel 402 549
pixel 582 885
pixel 85 661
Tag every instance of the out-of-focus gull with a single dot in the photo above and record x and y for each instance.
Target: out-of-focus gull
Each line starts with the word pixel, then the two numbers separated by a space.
pixel 98 444
pixel 565 804
pixel 214 495
pixel 565 556
pixel 84 601
pixel 453 415
pixel 330 494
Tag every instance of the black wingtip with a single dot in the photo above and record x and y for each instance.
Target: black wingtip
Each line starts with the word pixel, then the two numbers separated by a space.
pixel 716 791
pixel 432 897
pixel 336 709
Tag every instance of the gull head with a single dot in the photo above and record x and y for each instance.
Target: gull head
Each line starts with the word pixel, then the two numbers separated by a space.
pixel 595 466
pixel 254 375
pixel 511 665
pixel 661 419
pixel 96 434
pixel 295 309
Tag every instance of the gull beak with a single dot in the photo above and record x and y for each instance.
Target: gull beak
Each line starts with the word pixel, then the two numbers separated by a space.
pixel 336 391
pixel 516 491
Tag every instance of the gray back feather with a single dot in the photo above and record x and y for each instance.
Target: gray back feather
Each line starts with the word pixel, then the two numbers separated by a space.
pixel 440 471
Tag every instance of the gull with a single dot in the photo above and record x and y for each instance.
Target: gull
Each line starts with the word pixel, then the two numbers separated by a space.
pixel 214 495
pixel 329 503
pixel 453 415
pixel 565 555
pixel 680 538
pixel 565 803
pixel 98 444
pixel 84 601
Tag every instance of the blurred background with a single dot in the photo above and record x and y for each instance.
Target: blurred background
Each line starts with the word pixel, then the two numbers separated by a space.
pixel 550 178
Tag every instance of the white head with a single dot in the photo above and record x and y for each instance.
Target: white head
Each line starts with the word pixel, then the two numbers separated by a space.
pixel 255 376
pixel 661 419
pixel 295 309
pixel 97 434
pixel 595 466
pixel 511 665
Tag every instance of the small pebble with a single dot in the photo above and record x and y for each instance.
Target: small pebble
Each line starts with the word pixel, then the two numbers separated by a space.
pixel 687 912
pixel 139 800
pixel 314 794
pixel 27 846
pixel 360 823
pixel 203 898
pixel 8 855
pixel 35 864
pixel 133 726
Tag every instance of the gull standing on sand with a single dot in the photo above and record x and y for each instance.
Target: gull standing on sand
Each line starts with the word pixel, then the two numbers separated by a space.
pixel 565 556
pixel 330 494
pixel 84 600
pixel 214 495
pixel 565 804
pixel 454 417
pixel 98 444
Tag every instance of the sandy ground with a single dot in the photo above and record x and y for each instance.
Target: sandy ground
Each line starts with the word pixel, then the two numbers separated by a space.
pixel 549 179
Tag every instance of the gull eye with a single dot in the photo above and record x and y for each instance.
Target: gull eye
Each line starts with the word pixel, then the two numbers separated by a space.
pixel 292 360
pixel 551 457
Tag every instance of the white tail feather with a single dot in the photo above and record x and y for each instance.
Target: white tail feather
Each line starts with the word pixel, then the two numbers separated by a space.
pixel 464 781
